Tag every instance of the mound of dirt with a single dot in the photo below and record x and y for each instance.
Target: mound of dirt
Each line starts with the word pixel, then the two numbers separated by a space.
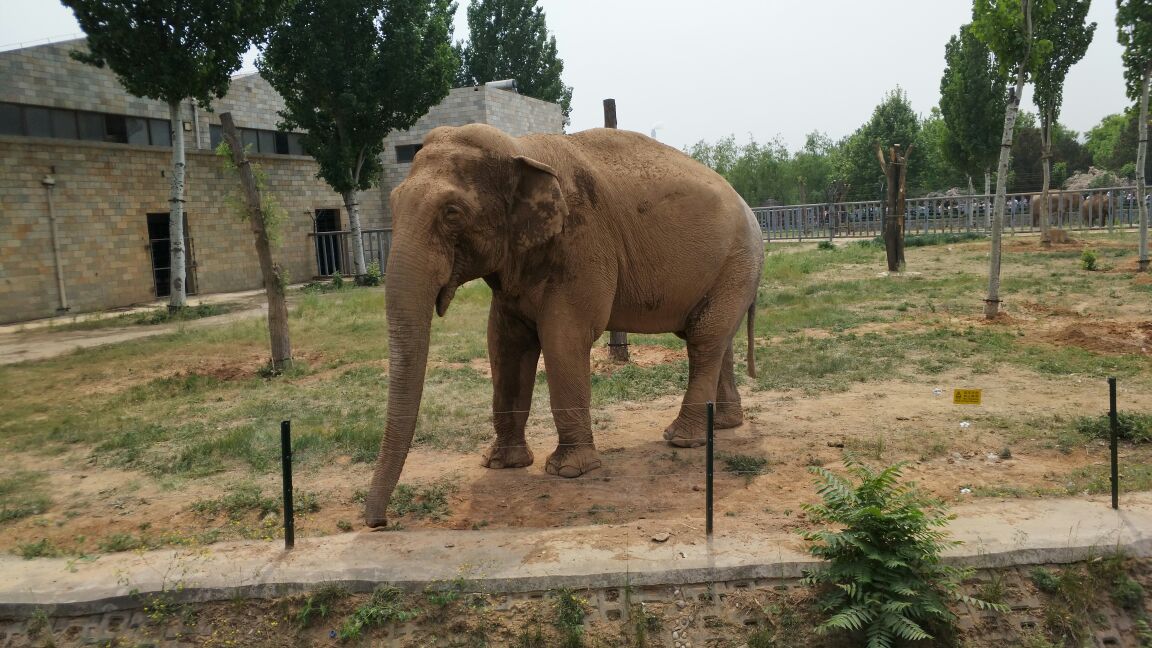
pixel 1106 336
pixel 641 355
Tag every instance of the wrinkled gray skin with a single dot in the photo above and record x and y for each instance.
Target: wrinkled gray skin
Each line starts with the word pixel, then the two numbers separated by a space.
pixel 575 234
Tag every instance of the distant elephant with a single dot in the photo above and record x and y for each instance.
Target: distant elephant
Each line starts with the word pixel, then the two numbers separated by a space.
pixel 1060 205
pixel 1096 209
pixel 575 234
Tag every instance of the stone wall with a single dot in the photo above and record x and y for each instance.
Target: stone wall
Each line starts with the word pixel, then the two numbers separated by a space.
pixel 512 113
pixel 102 196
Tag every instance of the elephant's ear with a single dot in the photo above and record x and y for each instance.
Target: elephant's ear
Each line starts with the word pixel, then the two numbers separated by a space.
pixel 538 207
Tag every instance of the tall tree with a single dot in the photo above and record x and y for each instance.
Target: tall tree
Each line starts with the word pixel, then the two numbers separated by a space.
pixel 936 170
pixel 352 71
pixel 1102 139
pixel 1070 35
pixel 893 122
pixel 1005 26
pixel 509 39
pixel 1134 27
pixel 973 94
pixel 173 50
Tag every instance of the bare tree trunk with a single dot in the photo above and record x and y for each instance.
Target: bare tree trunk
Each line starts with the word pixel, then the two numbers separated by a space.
pixel 274 279
pixel 1141 163
pixel 352 204
pixel 992 302
pixel 617 340
pixel 1045 166
pixel 177 297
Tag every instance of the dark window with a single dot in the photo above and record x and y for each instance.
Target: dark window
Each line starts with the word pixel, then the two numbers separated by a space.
pixel 215 135
pixel 160 130
pixel 64 124
pixel 406 152
pixel 91 126
pixel 10 120
pixel 37 121
pixel 115 129
pixel 294 145
pixel 267 141
pixel 282 143
pixel 137 131
pixel 250 140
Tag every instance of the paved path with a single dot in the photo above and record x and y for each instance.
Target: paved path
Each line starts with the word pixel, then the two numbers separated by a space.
pixel 41 339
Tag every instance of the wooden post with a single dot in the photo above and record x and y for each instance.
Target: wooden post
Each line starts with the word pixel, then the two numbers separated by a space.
pixel 273 275
pixel 896 171
pixel 617 341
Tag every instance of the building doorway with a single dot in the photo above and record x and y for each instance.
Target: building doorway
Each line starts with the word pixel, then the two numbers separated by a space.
pixel 160 249
pixel 329 246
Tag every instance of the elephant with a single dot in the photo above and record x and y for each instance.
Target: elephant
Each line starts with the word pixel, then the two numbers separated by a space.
pixel 1096 209
pixel 576 234
pixel 1060 205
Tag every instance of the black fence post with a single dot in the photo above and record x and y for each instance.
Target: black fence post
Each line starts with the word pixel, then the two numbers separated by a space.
pixel 286 470
pixel 708 470
pixel 1114 441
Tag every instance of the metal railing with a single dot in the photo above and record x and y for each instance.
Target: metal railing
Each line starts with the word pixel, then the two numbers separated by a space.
pixel 1096 209
pixel 332 251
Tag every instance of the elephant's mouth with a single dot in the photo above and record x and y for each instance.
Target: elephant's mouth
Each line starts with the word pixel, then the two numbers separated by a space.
pixel 444 297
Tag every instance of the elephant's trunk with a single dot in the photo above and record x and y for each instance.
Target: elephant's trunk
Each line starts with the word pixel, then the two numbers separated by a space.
pixel 412 286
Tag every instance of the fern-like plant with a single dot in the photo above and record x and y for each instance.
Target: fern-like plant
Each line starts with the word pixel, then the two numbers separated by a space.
pixel 884 581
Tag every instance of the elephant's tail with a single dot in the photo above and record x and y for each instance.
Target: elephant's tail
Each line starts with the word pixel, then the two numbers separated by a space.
pixel 752 340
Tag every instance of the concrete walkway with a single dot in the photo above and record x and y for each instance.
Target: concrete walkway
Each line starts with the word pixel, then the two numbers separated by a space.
pixel 997 533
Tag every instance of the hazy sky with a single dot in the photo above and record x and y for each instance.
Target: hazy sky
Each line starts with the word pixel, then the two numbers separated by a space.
pixel 701 70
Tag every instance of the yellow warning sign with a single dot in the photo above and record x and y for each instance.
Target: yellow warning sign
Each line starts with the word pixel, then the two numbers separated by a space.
pixel 966 396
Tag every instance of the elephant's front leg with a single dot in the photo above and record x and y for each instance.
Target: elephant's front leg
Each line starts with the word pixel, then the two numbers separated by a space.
pixel 569 374
pixel 513 351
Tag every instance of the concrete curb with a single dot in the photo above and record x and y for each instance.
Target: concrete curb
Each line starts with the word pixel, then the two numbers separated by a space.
pixel 520 561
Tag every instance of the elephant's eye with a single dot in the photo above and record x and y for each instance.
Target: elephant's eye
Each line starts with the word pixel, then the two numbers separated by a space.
pixel 453 212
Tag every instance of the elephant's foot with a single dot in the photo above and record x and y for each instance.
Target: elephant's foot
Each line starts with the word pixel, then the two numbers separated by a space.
pixel 503 456
pixel 728 415
pixel 573 460
pixel 685 435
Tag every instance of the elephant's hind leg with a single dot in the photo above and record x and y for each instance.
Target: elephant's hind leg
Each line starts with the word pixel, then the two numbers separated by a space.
pixel 729 414
pixel 513 351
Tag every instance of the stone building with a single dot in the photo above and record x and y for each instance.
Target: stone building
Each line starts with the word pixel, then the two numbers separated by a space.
pixel 84 184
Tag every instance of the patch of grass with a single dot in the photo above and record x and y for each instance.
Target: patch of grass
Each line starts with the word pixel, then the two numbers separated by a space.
pixel 320 603
pixel 385 606
pixel 746 466
pixel 118 542
pixel 634 383
pixel 42 548
pixel 1131 426
pixel 239 500
pixel 22 495
pixel 423 500
pixel 828 364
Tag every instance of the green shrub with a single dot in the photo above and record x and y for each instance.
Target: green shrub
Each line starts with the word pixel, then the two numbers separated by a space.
pixel 884 580
pixel 1088 260
pixel 825 245
pixel 42 548
pixel 337 281
pixel 372 276
pixel 384 607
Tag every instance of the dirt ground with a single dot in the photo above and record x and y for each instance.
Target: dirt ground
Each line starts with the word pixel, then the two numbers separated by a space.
pixel 956 453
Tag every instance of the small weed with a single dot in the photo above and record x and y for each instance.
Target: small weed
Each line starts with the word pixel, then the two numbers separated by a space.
pixel 38 622
pixel 570 618
pixel 337 281
pixel 825 245
pixel 43 548
pixel 372 275
pixel 319 604
pixel 344 525
pixel 1088 260
pixel 531 638
pixel 1045 580
pixel 305 502
pixel 21 496
pixel 1127 592
pixel 122 542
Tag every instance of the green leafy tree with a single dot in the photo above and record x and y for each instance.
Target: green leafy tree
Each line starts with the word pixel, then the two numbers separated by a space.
pixel 1070 35
pixel 509 39
pixel 1006 27
pixel 884 580
pixel 893 122
pixel 1134 32
pixel 812 168
pixel 973 95
pixel 1026 170
pixel 352 71
pixel 1102 139
pixel 760 173
pixel 936 172
pixel 171 51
